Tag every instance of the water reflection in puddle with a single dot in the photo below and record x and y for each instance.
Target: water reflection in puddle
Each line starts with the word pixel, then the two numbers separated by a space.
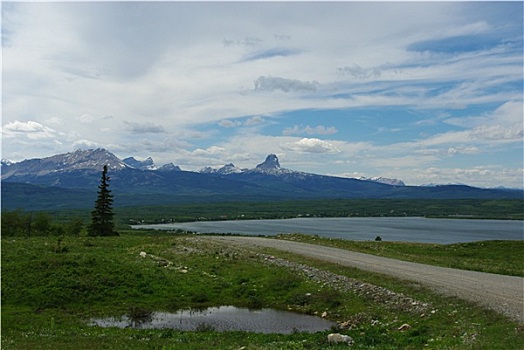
pixel 224 318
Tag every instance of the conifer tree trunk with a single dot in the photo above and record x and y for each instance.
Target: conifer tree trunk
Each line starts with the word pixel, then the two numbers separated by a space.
pixel 102 215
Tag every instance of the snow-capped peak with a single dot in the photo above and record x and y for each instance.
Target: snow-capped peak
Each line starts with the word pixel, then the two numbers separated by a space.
pixel 146 164
pixel 92 159
pixel 225 170
pixel 384 180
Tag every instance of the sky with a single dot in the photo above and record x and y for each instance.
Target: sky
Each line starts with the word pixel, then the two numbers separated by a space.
pixel 424 92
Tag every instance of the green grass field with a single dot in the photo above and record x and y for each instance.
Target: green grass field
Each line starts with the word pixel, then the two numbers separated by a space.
pixel 51 288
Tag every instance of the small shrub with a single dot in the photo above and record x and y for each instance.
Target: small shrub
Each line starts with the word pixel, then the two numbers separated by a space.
pixel 89 243
pixel 284 282
pixel 58 248
pixel 255 300
pixel 139 315
pixel 300 299
pixel 200 297
pixel 329 298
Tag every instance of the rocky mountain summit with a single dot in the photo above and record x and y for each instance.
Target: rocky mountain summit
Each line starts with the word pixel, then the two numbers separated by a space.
pixel 146 164
pixel 270 164
pixel 225 170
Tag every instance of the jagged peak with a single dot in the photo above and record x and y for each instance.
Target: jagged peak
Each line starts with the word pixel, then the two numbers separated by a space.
pixel 169 167
pixel 91 158
pixel 229 168
pixel 270 163
pixel 146 164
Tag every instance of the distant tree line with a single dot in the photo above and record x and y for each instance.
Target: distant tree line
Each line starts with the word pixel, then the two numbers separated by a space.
pixel 22 224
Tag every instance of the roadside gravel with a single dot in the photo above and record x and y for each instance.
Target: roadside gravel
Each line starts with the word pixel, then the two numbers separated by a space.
pixel 504 294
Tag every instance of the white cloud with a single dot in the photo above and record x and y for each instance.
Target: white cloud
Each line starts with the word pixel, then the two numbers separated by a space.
pixel 253 121
pixel 211 151
pixel 498 133
pixel 146 127
pixel 355 71
pixel 256 120
pixel 310 145
pixel 268 83
pixel 226 123
pixel 308 130
pixel 85 144
pixel 85 118
pixel 462 150
pixel 30 129
pixel 247 41
pixel 505 124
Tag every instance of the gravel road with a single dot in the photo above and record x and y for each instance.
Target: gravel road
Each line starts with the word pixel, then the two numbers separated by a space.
pixel 504 294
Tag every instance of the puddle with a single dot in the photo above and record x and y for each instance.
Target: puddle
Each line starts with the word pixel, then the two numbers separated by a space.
pixel 224 318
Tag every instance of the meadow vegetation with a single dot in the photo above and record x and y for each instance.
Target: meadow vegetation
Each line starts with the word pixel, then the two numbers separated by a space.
pixel 53 285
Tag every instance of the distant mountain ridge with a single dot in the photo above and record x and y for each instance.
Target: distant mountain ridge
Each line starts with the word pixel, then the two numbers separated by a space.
pixel 136 180
pixel 92 160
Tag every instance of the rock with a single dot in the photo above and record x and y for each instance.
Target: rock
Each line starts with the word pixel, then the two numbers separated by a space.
pixel 404 327
pixel 143 254
pixel 324 314
pixel 346 325
pixel 164 263
pixel 340 338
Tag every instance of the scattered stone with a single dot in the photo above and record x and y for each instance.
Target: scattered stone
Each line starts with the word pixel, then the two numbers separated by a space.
pixel 375 322
pixel 404 327
pixel 324 314
pixel 143 254
pixel 375 293
pixel 340 338
pixel 164 263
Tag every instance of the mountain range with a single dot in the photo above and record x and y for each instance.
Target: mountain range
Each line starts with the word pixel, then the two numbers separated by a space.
pixel 70 180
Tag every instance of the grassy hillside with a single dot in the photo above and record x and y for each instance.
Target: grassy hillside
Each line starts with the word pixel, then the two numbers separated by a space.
pixel 52 287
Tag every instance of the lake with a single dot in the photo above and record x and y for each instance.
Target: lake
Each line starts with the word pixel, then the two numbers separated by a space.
pixel 406 229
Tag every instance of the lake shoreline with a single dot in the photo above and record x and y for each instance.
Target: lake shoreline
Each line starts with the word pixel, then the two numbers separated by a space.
pixel 403 229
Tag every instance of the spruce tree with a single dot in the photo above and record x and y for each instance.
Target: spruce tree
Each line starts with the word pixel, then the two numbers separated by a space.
pixel 102 216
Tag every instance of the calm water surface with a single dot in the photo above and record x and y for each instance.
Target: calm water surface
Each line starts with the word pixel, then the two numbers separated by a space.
pixel 410 229
pixel 225 318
